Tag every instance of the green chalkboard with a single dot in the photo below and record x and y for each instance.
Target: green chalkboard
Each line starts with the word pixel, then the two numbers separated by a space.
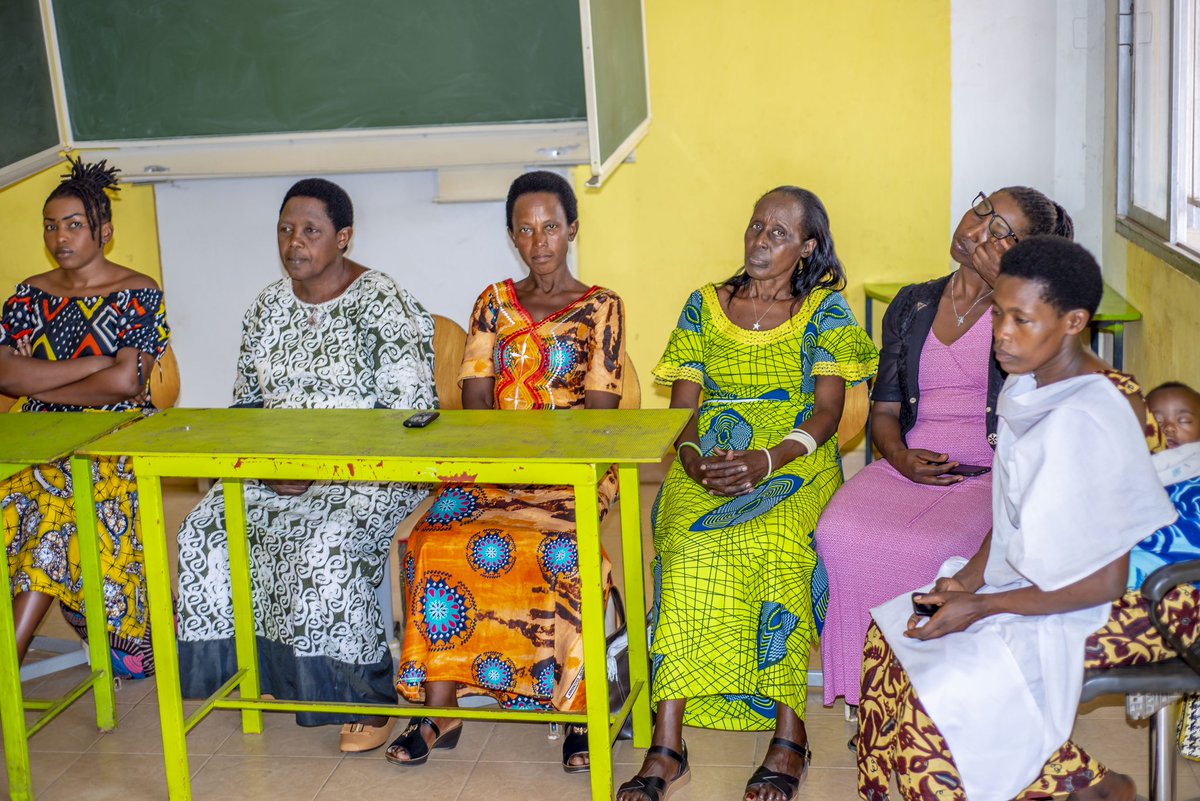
pixel 618 45
pixel 28 124
pixel 135 69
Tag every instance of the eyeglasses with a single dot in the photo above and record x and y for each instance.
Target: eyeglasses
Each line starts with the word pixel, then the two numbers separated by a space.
pixel 998 227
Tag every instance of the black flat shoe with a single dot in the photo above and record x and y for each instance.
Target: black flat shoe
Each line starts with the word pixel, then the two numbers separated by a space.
pixel 575 743
pixel 654 788
pixel 415 746
pixel 788 785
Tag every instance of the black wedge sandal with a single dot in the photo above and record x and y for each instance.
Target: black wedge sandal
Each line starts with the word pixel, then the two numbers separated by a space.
pixel 575 744
pixel 414 744
pixel 654 788
pixel 788 785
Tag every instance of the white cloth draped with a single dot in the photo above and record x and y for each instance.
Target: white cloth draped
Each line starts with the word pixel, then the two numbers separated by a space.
pixel 1074 489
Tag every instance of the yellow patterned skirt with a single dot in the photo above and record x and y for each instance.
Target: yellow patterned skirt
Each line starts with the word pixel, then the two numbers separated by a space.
pixel 38 511
pixel 895 735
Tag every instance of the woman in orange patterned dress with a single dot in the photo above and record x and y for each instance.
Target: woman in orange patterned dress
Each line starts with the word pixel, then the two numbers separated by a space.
pixel 491 575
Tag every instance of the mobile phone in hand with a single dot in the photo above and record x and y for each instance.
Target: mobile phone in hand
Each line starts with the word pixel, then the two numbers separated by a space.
pixel 420 419
pixel 969 470
pixel 923 610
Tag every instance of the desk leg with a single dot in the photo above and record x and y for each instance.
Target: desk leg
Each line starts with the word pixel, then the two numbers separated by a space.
pixel 587 543
pixel 103 690
pixel 166 654
pixel 635 600
pixel 1118 333
pixel 12 710
pixel 242 596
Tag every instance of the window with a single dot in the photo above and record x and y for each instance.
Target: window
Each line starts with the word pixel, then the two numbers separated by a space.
pixel 1158 133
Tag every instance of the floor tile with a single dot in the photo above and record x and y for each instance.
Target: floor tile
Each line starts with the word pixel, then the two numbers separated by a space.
pixel 45 767
pixel 521 781
pixel 140 733
pixel 376 778
pixel 103 777
pixel 238 778
pixel 521 742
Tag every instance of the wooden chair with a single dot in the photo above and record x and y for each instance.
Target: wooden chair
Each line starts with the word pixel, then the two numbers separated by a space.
pixel 855 409
pixel 631 388
pixel 449 342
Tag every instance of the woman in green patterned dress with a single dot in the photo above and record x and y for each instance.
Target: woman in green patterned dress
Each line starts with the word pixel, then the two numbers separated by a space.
pixel 764 358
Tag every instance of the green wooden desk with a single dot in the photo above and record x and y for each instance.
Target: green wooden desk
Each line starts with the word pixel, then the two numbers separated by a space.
pixel 496 447
pixel 26 440
pixel 1112 315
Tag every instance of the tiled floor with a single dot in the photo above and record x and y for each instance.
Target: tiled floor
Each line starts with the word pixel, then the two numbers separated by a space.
pixel 71 760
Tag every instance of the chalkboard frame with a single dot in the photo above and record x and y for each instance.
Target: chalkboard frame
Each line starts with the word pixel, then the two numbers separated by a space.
pixel 550 144
pixel 32 158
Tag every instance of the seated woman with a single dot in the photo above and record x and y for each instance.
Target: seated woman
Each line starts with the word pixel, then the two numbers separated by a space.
pixel 491 576
pixel 898 519
pixel 80 337
pixel 331 335
pixel 1048 583
pixel 764 359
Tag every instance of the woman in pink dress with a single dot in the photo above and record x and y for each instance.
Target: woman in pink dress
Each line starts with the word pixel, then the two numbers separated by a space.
pixel 933 411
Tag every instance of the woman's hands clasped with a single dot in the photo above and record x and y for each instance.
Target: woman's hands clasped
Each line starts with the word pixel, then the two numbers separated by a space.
pixel 958 608
pixel 726 472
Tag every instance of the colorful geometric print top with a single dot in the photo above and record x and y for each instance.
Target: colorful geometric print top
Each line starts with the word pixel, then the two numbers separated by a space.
pixel 99 325
pixel 548 364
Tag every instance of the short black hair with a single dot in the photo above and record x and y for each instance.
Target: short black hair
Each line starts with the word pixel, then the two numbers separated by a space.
pixel 1176 385
pixel 542 181
pixel 1043 214
pixel 1070 276
pixel 337 203
pixel 822 268
pixel 90 183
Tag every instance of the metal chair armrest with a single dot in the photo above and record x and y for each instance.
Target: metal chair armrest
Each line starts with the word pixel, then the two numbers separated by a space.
pixel 1156 587
pixel 1168 577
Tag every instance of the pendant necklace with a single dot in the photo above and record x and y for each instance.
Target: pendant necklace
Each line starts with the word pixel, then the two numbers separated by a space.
pixel 757 326
pixel 960 318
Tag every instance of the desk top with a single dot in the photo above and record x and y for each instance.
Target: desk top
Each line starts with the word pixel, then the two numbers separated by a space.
pixel 1113 307
pixel 579 436
pixel 39 437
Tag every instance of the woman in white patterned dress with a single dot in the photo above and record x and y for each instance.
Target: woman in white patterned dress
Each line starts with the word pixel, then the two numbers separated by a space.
pixel 333 334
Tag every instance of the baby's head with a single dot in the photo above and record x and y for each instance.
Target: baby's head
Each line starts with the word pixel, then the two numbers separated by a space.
pixel 1176 407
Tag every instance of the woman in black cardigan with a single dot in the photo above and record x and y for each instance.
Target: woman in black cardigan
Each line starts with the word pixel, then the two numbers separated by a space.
pixel 933 417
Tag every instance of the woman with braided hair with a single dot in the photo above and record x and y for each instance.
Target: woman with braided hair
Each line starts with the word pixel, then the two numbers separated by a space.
pixel 83 336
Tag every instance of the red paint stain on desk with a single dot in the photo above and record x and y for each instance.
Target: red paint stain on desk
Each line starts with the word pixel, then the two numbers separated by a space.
pixel 237 465
pixel 350 467
pixel 458 478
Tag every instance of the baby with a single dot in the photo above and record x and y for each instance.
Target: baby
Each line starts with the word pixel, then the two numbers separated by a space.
pixel 1176 407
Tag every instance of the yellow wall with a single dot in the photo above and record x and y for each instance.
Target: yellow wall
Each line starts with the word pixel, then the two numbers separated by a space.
pixel 850 99
pixel 135 231
pixel 1163 346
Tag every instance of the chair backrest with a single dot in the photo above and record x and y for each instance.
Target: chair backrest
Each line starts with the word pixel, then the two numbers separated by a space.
pixel 631 388
pixel 854 413
pixel 164 380
pixel 449 342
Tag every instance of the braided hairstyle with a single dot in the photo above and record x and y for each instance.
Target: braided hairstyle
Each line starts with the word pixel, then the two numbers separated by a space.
pixel 1043 214
pixel 90 183
pixel 822 268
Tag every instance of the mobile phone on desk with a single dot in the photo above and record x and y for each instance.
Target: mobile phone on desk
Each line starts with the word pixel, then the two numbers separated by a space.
pixel 969 470
pixel 923 610
pixel 420 419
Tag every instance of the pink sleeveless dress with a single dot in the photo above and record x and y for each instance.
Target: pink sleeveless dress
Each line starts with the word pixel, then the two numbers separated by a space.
pixel 882 534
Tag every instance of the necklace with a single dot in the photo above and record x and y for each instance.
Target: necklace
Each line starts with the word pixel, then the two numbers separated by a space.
pixel 757 322
pixel 959 318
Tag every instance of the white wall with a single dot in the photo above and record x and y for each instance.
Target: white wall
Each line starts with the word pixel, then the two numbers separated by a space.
pixel 218 251
pixel 1028 106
